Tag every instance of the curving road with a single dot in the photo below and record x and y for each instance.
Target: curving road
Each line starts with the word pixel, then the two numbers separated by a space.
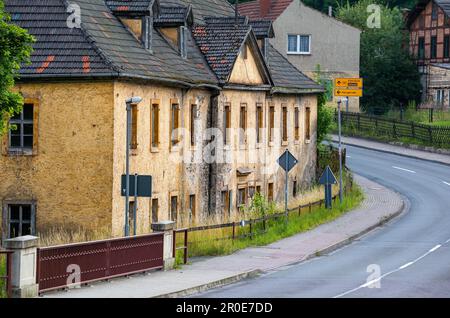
pixel 409 257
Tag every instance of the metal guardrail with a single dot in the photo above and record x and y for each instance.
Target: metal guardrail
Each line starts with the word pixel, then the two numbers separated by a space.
pixel 98 260
pixel 7 278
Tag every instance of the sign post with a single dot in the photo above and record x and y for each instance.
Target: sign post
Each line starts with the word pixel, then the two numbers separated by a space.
pixel 340 151
pixel 328 179
pixel 345 87
pixel 287 161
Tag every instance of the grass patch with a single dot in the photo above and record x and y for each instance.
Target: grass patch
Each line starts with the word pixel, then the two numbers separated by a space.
pixel 351 131
pixel 421 116
pixel 2 273
pixel 441 123
pixel 219 242
pixel 68 234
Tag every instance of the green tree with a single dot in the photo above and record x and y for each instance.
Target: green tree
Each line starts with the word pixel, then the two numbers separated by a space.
pixel 390 76
pixel 324 113
pixel 15 48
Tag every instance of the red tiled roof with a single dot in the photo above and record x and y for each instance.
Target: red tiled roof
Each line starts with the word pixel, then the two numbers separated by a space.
pixel 252 9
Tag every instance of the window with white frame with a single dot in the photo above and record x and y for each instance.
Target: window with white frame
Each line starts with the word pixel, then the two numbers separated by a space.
pixel 299 44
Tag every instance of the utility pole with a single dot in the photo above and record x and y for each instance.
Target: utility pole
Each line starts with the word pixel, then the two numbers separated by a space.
pixel 131 101
pixel 340 150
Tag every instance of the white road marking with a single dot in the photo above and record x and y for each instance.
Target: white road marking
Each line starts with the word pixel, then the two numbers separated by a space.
pixel 406 265
pixel 349 156
pixel 403 169
pixel 446 183
pixel 435 248
pixel 448 241
pixel 391 272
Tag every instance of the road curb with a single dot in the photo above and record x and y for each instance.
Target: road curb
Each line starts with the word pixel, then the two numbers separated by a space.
pixel 218 283
pixel 392 152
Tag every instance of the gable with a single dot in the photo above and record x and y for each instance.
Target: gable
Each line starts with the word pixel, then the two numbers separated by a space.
pixel 246 70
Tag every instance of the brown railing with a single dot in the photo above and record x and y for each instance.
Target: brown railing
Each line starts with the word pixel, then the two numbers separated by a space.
pixel 8 267
pixel 432 135
pixel 234 225
pixel 64 265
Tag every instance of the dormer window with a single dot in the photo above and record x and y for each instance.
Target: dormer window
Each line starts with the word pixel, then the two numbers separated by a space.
pixel 137 18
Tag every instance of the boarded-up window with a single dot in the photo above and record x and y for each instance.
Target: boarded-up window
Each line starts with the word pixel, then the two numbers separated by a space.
pixel 131 216
pixel 192 123
pixel 155 125
pixel 308 123
pixel 297 123
pixel 284 123
pixel 192 206
pixel 259 123
pixel 251 191
pixel 175 123
pixel 155 208
pixel 174 207
pixel 134 130
pixel 241 198
pixel 270 192
pixel 271 122
pixel 226 202
pixel 243 123
pixel 226 123
pixel 21 136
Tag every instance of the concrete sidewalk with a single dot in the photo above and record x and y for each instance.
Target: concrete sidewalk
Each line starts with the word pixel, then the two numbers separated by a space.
pixel 393 149
pixel 380 205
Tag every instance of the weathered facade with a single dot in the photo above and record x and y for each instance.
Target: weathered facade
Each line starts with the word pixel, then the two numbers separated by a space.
pixel 308 38
pixel 63 165
pixel 429 29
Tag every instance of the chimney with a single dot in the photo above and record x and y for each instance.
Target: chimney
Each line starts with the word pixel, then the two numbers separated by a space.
pixel 147 30
pixel 330 11
pixel 264 6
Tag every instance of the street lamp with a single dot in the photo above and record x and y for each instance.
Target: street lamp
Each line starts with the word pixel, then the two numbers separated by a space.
pixel 129 102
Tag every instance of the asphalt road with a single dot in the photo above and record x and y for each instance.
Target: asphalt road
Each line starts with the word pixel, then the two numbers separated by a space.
pixel 408 257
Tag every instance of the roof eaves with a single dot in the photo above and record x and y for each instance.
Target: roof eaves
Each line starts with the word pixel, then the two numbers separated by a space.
pixel 289 90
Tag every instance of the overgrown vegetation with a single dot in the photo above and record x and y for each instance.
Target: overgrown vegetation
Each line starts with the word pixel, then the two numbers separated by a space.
pixel 220 242
pixel 409 113
pixel 324 113
pixel 67 234
pixel 15 48
pixel 391 79
pixel 2 273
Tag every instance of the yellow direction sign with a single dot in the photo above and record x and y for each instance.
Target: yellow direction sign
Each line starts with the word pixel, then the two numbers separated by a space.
pixel 348 92
pixel 350 83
